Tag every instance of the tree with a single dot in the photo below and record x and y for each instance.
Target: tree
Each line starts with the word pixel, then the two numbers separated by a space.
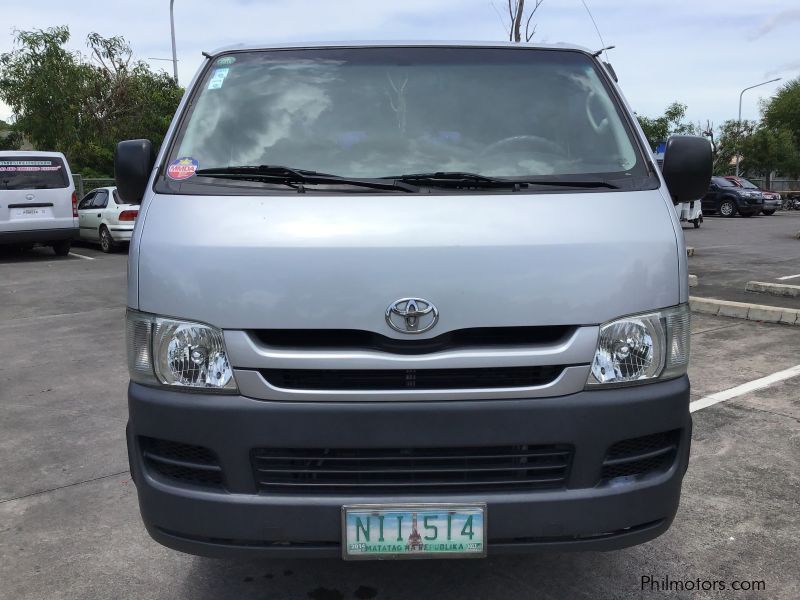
pixel 769 149
pixel 671 122
pixel 43 84
pixel 81 105
pixel 729 140
pixel 10 138
pixel 782 111
pixel 516 16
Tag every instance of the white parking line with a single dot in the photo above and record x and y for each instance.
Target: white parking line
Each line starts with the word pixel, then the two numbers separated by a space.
pixel 81 256
pixel 745 388
pixel 788 277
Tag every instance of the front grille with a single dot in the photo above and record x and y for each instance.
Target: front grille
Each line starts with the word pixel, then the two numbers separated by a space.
pixel 459 339
pixel 412 470
pixel 642 455
pixel 405 379
pixel 184 463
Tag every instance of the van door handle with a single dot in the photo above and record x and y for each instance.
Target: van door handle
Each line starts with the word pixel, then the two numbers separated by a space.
pixel 98 214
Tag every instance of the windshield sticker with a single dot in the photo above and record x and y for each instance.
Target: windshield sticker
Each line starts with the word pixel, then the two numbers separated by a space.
pixel 217 78
pixel 182 168
pixel 225 61
pixel 27 166
pixel 25 163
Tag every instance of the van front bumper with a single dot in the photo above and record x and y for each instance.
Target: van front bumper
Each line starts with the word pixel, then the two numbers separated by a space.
pixel 587 513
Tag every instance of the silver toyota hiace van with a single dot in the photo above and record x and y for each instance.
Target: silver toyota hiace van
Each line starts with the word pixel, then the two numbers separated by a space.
pixel 407 300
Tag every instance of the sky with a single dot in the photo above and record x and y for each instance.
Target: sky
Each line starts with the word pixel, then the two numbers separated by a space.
pixel 699 52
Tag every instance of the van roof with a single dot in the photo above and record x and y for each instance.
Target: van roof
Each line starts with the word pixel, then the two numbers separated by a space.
pixel 32 153
pixel 396 44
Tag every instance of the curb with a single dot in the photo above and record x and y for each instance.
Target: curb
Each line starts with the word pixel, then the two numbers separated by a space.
pixel 745 310
pixel 775 289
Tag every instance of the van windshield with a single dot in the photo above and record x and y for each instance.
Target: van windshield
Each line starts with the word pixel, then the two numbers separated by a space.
pixel 32 173
pixel 385 112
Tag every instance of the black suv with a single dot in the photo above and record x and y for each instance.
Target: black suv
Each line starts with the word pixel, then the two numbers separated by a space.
pixel 725 198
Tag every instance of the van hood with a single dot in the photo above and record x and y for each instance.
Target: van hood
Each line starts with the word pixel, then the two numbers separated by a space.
pixel 338 262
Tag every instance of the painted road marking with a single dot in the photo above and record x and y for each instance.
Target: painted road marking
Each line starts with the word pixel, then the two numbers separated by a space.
pixel 745 388
pixel 81 256
pixel 788 277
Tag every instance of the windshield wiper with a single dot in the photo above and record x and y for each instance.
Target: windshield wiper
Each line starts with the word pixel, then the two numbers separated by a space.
pixel 288 175
pixel 455 179
pixel 476 180
pixel 574 183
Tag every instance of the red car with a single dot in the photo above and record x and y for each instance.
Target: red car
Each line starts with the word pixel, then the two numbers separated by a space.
pixel 772 200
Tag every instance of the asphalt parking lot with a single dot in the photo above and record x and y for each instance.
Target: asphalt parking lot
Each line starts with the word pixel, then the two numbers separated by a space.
pixel 729 252
pixel 69 523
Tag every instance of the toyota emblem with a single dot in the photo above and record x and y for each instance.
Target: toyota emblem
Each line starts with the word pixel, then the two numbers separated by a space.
pixel 411 315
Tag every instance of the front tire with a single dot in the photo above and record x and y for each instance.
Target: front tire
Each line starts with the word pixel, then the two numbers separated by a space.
pixel 768 212
pixel 62 248
pixel 696 223
pixel 727 208
pixel 106 241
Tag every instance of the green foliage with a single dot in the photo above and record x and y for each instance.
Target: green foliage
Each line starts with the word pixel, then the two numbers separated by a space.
pixel 42 83
pixel 10 138
pixel 782 111
pixel 671 122
pixel 83 106
pixel 770 149
pixel 727 142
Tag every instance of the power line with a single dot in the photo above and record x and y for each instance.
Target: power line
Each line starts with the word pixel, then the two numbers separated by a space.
pixel 596 28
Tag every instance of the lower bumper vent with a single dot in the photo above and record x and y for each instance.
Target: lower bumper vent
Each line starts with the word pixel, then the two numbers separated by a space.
pixel 641 456
pixel 181 462
pixel 409 471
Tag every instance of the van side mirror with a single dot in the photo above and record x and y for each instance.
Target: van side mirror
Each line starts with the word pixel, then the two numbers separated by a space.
pixel 133 162
pixel 687 169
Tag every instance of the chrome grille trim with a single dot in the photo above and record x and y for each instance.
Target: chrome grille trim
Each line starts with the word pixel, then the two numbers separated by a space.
pixel 247 353
pixel 252 384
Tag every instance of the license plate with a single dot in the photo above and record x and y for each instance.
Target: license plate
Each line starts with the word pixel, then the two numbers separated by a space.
pixel 34 212
pixel 395 531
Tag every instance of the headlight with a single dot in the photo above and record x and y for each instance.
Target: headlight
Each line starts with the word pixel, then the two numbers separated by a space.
pixel 177 353
pixel 642 348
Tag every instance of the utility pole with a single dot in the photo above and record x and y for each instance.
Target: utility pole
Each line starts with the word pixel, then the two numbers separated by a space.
pixel 175 53
pixel 739 122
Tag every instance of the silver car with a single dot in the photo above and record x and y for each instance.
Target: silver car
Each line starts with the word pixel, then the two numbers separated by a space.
pixel 360 325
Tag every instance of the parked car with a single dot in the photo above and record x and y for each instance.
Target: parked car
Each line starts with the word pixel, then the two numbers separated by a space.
pixel 395 345
pixel 772 200
pixel 38 204
pixel 106 219
pixel 726 198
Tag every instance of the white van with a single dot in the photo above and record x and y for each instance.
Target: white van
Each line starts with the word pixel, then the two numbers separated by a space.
pixel 38 204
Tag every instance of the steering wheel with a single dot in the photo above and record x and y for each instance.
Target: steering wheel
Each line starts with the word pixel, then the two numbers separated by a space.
pixel 544 146
pixel 603 124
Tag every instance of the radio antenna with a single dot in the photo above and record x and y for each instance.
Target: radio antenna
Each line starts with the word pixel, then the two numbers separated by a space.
pixel 597 29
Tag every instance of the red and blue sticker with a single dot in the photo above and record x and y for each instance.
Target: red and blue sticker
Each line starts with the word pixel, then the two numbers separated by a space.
pixel 182 168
